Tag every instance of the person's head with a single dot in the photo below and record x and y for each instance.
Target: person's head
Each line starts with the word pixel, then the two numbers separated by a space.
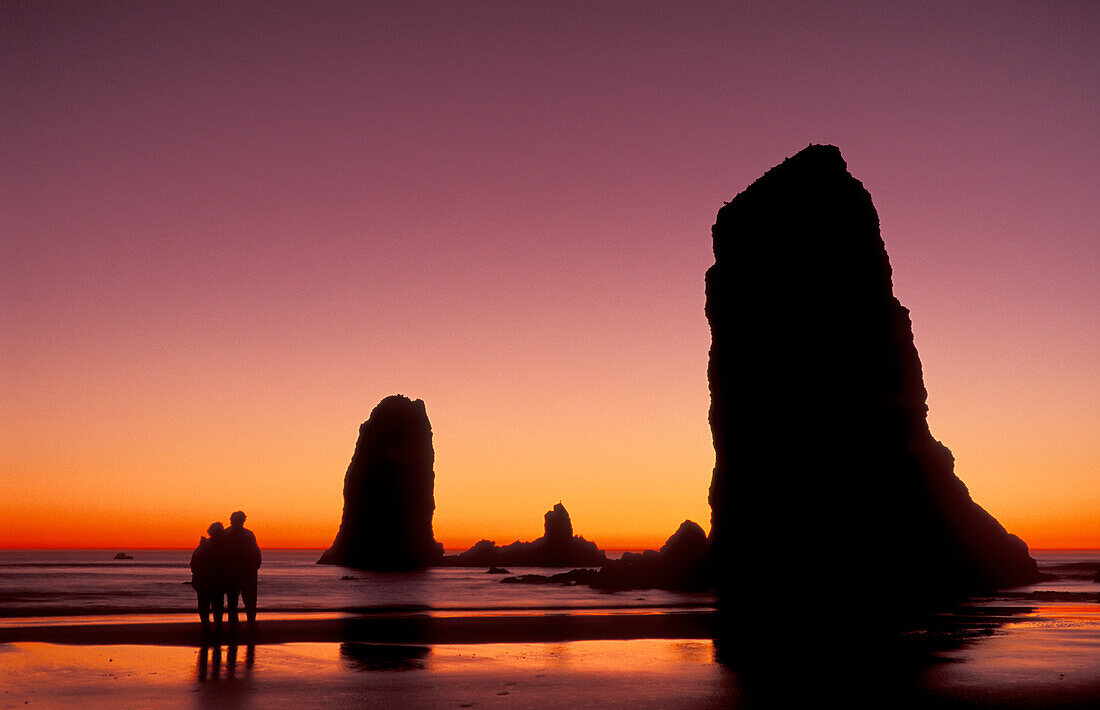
pixel 237 519
pixel 215 529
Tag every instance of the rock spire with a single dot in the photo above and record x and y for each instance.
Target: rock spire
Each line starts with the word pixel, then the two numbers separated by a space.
pixel 389 492
pixel 826 473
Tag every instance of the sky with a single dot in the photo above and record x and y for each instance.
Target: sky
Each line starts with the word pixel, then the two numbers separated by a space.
pixel 229 230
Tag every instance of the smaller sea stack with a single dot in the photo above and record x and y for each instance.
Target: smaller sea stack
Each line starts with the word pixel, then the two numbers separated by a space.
pixel 682 564
pixel 558 547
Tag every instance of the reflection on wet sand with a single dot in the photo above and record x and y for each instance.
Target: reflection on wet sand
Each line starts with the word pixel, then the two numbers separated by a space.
pixel 209 666
pixel 978 656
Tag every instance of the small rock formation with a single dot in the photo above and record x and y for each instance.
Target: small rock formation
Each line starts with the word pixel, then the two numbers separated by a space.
pixel 389 493
pixel 123 556
pixel 682 564
pixel 825 471
pixel 558 547
pixel 571 578
pixel 482 554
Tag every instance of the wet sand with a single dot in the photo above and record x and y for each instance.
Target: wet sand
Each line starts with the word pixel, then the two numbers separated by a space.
pixel 400 629
pixel 581 674
pixel 1044 657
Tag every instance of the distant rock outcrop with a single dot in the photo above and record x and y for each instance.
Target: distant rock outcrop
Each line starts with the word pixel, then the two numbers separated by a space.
pixel 572 578
pixel 825 471
pixel 682 564
pixel 389 492
pixel 558 547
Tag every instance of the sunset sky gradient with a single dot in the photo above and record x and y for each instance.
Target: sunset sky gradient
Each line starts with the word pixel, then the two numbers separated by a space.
pixel 228 230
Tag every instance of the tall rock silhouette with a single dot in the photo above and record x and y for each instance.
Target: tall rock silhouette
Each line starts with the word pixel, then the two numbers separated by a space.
pixel 826 477
pixel 389 492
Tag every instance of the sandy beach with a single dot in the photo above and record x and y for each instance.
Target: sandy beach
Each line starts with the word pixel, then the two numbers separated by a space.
pixel 391 629
pixel 488 661
pixel 1031 657
pixel 583 674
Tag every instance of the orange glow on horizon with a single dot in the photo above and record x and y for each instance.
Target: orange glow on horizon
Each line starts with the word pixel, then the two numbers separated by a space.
pixel 42 530
pixel 220 249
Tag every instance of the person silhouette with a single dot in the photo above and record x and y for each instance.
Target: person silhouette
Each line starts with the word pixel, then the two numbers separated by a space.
pixel 207 576
pixel 242 560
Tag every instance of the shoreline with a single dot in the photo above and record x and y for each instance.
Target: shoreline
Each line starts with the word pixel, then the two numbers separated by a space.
pixel 517 609
pixel 976 657
pixel 410 629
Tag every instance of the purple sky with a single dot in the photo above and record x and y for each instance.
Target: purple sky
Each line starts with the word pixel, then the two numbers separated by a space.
pixel 229 229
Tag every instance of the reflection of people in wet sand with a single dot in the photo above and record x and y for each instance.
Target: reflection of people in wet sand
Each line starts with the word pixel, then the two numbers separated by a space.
pixel 206 577
pixel 242 560
pixel 210 662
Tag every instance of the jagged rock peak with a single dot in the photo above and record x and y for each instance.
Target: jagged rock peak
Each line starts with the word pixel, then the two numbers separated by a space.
pixel 557 527
pixel 815 161
pixel 689 536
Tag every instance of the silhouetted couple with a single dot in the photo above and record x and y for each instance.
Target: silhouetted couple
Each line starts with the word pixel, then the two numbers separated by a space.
pixel 224 566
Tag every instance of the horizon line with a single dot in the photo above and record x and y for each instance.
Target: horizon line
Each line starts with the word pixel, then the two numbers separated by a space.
pixel 117 548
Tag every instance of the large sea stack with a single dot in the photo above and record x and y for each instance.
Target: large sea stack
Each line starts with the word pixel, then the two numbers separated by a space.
pixel 389 492
pixel 827 483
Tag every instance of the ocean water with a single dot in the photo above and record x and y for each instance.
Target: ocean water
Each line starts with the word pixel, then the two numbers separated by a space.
pixel 1038 646
pixel 90 583
pixel 53 584
pixel 1072 572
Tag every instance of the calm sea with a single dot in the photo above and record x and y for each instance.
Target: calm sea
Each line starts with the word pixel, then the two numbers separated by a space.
pixel 61 584
pixel 86 583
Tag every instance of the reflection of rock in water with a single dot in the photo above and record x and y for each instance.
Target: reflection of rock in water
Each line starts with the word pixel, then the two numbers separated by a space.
pixel 822 447
pixel 383 657
pixel 389 492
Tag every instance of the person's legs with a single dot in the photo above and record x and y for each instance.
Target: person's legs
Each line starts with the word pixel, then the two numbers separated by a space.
pixel 248 593
pixel 231 604
pixel 217 607
pixel 204 608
